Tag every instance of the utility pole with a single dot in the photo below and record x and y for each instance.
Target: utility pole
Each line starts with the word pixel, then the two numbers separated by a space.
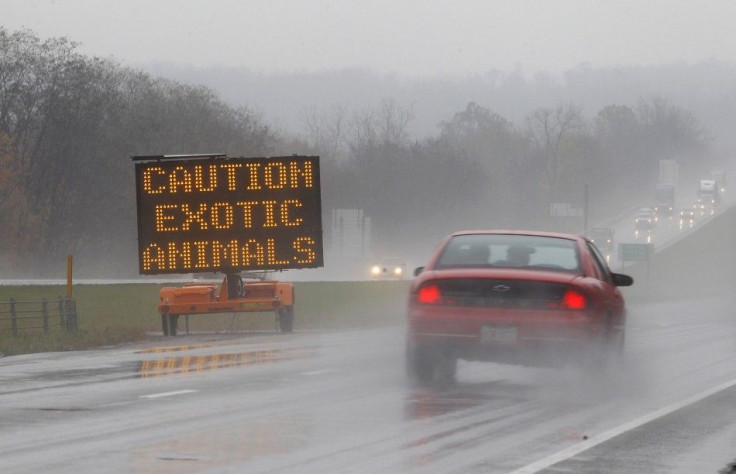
pixel 585 210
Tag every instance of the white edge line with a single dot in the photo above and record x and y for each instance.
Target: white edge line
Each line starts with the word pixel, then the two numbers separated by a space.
pixel 606 435
pixel 318 372
pixel 168 394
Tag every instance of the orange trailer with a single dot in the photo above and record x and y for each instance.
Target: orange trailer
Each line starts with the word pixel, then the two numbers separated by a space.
pixel 231 296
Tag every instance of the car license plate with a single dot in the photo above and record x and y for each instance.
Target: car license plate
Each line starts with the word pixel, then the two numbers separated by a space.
pixel 498 335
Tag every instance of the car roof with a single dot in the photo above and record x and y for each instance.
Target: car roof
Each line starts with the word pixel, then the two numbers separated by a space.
pixel 535 233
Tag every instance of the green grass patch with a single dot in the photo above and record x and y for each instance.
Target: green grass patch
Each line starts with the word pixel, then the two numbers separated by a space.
pixel 114 314
pixel 26 343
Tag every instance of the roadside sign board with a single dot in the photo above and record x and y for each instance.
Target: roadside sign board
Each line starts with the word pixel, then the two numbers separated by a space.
pixel 228 214
pixel 636 252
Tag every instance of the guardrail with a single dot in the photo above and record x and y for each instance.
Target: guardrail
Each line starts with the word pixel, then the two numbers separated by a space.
pixel 22 316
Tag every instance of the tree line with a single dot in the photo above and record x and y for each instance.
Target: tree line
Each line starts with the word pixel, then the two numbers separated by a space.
pixel 69 123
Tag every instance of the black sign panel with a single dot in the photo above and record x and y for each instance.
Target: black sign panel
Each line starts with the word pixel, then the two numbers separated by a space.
pixel 228 214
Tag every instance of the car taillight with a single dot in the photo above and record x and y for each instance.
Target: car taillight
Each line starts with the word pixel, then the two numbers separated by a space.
pixel 429 294
pixel 573 300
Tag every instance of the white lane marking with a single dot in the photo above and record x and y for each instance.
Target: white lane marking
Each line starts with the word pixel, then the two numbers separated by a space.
pixel 319 372
pixel 567 453
pixel 168 394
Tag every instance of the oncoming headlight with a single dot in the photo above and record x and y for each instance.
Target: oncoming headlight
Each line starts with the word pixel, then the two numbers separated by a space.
pixel 375 270
pixel 398 271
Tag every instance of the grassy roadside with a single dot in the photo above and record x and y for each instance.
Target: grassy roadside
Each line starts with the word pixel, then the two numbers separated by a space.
pixel 113 314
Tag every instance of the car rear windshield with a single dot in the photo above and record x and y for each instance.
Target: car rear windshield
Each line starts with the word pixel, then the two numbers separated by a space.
pixel 510 251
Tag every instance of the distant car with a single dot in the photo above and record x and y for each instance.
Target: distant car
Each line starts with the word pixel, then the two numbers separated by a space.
pixel 602 237
pixel 517 297
pixel 704 207
pixel 687 218
pixel 388 269
pixel 643 230
pixel 645 221
pixel 699 207
pixel 645 214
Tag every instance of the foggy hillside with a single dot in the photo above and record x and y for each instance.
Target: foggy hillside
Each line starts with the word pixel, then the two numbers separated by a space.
pixel 707 88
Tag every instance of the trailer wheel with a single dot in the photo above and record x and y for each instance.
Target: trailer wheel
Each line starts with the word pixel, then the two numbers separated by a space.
pixel 174 323
pixel 165 323
pixel 169 323
pixel 286 318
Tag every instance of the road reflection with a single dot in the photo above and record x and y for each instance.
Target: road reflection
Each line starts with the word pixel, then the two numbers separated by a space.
pixel 425 402
pixel 161 350
pixel 466 415
pixel 198 363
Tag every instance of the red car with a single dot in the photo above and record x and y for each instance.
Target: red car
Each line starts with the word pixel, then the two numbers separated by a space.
pixel 517 297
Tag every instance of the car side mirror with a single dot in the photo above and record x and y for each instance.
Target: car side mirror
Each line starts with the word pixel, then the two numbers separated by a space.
pixel 620 279
pixel 418 270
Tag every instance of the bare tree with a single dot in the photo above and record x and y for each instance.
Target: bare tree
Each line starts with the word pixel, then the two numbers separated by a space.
pixel 326 130
pixel 392 120
pixel 670 131
pixel 386 126
pixel 488 138
pixel 549 131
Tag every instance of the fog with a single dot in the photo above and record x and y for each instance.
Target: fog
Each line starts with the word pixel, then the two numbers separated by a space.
pixel 471 141
pixel 409 38
pixel 705 87
pixel 429 117
pixel 705 90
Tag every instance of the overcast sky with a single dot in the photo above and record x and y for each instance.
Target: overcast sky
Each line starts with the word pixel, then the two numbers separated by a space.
pixel 407 37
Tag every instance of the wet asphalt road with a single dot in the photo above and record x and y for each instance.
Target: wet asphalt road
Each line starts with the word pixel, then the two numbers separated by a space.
pixel 339 402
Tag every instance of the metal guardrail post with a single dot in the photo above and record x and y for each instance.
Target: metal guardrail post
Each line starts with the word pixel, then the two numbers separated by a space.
pixel 62 314
pixel 13 320
pixel 71 314
pixel 45 315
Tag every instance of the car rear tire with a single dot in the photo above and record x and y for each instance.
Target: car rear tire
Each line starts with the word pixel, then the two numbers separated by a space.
pixel 174 323
pixel 615 349
pixel 605 355
pixel 447 368
pixel 424 369
pixel 286 318
pixel 420 364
